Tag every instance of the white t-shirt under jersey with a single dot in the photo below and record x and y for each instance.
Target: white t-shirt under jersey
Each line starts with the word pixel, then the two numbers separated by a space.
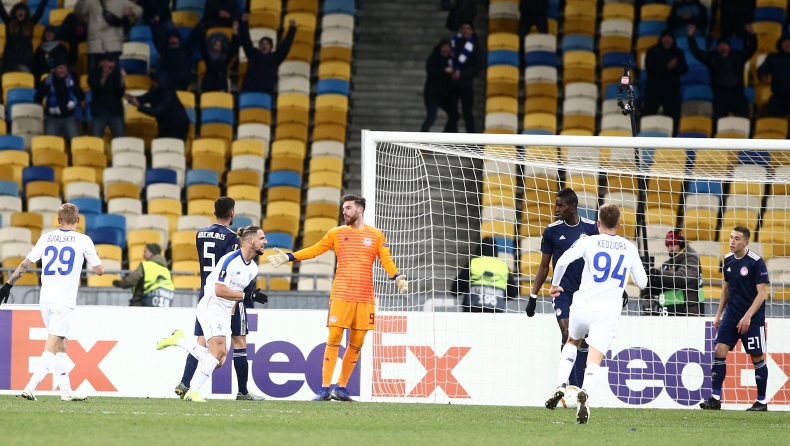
pixel 62 254
pixel 608 259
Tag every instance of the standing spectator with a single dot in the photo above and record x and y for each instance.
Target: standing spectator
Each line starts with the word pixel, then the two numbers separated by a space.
pixel 467 63
pixel 777 66
pixel 735 14
pixel 105 19
pixel 726 74
pixel 63 95
pixel 685 13
pixel 171 117
pixel 665 63
pixel 175 56
pixel 73 31
pixel 18 52
pixel 464 11
pixel 262 67
pixel 679 281
pixel 151 282
pixel 217 53
pixel 439 69
pixel 155 10
pixel 107 84
pixel 49 50
pixel 534 13
pixel 221 13
pixel 486 282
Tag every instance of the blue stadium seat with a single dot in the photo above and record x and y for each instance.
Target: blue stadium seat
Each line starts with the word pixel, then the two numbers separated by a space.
pixel 577 42
pixel 88 205
pixel 652 134
pixel 285 178
pixel 105 236
pixel 704 187
pixel 537 132
pixel 19 96
pixel 240 222
pixel 37 173
pixel 769 14
pixel 332 86
pixel 12 142
pixel 683 42
pixel 750 94
pixel 279 240
pixel 113 222
pixel 51 4
pixel 196 6
pixel 541 58
pixel 616 59
pixel 691 135
pixel 88 117
pixel 9 188
pixel 760 158
pixel 554 9
pixel 503 57
pixel 697 93
pixel 141 33
pixel 216 114
pixel 736 44
pixel 192 115
pixel 339 7
pixel 504 244
pixel 153 176
pixel 134 66
pixel 591 214
pixel 202 176
pixel 255 100
pixel 696 75
pixel 651 28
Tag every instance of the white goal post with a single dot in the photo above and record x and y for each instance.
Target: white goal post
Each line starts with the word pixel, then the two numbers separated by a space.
pixel 436 196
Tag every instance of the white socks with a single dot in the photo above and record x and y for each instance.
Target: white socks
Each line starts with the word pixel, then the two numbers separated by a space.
pixel 205 368
pixel 193 348
pixel 43 366
pixel 591 377
pixel 567 359
pixel 61 376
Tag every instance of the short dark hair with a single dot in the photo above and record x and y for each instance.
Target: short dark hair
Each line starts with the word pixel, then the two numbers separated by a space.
pixel 568 196
pixel 269 39
pixel 359 201
pixel 224 206
pixel 247 231
pixel 743 230
pixel 609 215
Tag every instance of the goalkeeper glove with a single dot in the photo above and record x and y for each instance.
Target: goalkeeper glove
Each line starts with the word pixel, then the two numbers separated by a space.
pixel 402 284
pixel 256 296
pixel 533 302
pixel 5 291
pixel 278 258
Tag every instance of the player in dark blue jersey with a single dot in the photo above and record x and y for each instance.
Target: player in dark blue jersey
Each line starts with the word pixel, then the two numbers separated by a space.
pixel 214 242
pixel 558 238
pixel 741 316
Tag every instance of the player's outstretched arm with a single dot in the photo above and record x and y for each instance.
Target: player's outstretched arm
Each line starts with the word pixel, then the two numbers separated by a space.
pixel 99 269
pixel 5 290
pixel 324 245
pixel 383 251
pixel 638 272
pixel 540 278
pixel 225 292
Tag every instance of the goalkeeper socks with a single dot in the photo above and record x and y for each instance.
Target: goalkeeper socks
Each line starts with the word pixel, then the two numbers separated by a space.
pixel 241 366
pixel 61 376
pixel 717 374
pixel 330 360
pixel 591 377
pixel 580 365
pixel 194 349
pixel 761 376
pixel 189 370
pixel 43 366
pixel 205 368
pixel 349 362
pixel 567 360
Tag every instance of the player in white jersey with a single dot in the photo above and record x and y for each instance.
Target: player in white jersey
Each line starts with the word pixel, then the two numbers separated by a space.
pixel 608 259
pixel 224 289
pixel 62 253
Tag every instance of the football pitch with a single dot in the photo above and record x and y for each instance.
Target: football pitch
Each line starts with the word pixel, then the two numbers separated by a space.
pixel 133 421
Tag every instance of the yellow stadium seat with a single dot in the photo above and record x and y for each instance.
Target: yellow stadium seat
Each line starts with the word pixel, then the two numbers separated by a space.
pixel 293 100
pixel 16 80
pixel 215 130
pixel 608 44
pixel 545 121
pixel 540 105
pixel 292 130
pixel 181 282
pixel 87 143
pixel 248 147
pixel 79 173
pixel 244 192
pixel 497 229
pixel 210 161
pixel 42 188
pixel 330 132
pixel 255 116
pixel 322 209
pixel 169 208
pixel 697 124
pixel 289 147
pixel 337 53
pixel 46 142
pixel 579 74
pixel 319 224
pixel 184 19
pixel 181 238
pixel 330 115
pixel 103 281
pixel 122 190
pixel 204 146
pixel 187 98
pixel 618 11
pixel 301 52
pixel 94 160
pixel 141 237
pixel 713 161
pixel 325 179
pixel 503 25
pixel 700 224
pixel 280 223
pixel 583 26
pixel 502 104
pixel 582 182
pixel 286 162
pixel 711 267
pixel 334 70
pixel 109 252
pixel 201 207
pixel 245 176
pixel 660 216
pixel 503 41
pixel 293 115
pixel 216 99
pixel 580 122
pixel 777 126
pixel 138 82
pixel 30 220
pixel 203 192
pixel 326 163
pixel 284 193
pixel 285 209
pixel 331 101
pixel 579 59
pixel 610 76
pixel 542 89
pixel 186 266
pixel 654 11
pixel 738 217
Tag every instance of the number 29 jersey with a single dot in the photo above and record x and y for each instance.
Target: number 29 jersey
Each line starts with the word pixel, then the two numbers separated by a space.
pixel 213 242
pixel 62 254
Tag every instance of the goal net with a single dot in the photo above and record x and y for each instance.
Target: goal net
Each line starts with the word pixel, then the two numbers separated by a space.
pixel 443 200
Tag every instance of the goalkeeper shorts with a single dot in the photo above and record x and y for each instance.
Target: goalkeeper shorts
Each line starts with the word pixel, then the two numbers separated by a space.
pixel 348 314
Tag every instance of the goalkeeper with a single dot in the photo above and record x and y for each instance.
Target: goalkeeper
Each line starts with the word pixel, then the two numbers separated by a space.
pixel 351 304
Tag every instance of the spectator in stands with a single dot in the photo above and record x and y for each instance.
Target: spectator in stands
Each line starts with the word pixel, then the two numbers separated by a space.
pixel 49 50
pixel 158 10
pixel 685 13
pixel 221 13
pixel 467 63
pixel 63 95
pixel 665 63
pixel 463 11
pixel 19 24
pixel 73 31
pixel 777 66
pixel 107 83
pixel 726 73
pixel 171 117
pixel 105 19
pixel 175 56
pixel 534 13
pixel 438 84
pixel 217 53
pixel 735 14
pixel 151 282
pixel 486 282
pixel 262 67
pixel 678 281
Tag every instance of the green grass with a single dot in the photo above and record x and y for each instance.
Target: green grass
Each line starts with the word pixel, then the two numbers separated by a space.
pixel 128 421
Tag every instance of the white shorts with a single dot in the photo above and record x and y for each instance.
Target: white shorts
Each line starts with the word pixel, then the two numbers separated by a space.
pixel 57 319
pixel 214 317
pixel 599 326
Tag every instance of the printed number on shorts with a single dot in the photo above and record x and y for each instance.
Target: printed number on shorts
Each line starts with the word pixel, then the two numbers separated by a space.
pixel 618 272
pixel 65 257
pixel 372 319
pixel 753 343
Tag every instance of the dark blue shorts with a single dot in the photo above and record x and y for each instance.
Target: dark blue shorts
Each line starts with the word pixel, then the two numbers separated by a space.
pixel 562 305
pixel 238 323
pixel 753 340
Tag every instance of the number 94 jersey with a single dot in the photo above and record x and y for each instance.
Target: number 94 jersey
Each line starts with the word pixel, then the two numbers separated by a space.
pixel 62 254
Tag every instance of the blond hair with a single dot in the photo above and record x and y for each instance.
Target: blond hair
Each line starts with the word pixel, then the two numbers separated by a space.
pixel 68 214
pixel 609 216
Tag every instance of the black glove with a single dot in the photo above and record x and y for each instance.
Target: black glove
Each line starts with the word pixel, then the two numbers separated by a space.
pixel 5 291
pixel 533 302
pixel 625 298
pixel 256 296
pixel 116 283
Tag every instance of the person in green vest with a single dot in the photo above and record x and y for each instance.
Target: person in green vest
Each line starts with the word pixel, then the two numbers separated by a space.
pixel 151 283
pixel 485 282
pixel 678 284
